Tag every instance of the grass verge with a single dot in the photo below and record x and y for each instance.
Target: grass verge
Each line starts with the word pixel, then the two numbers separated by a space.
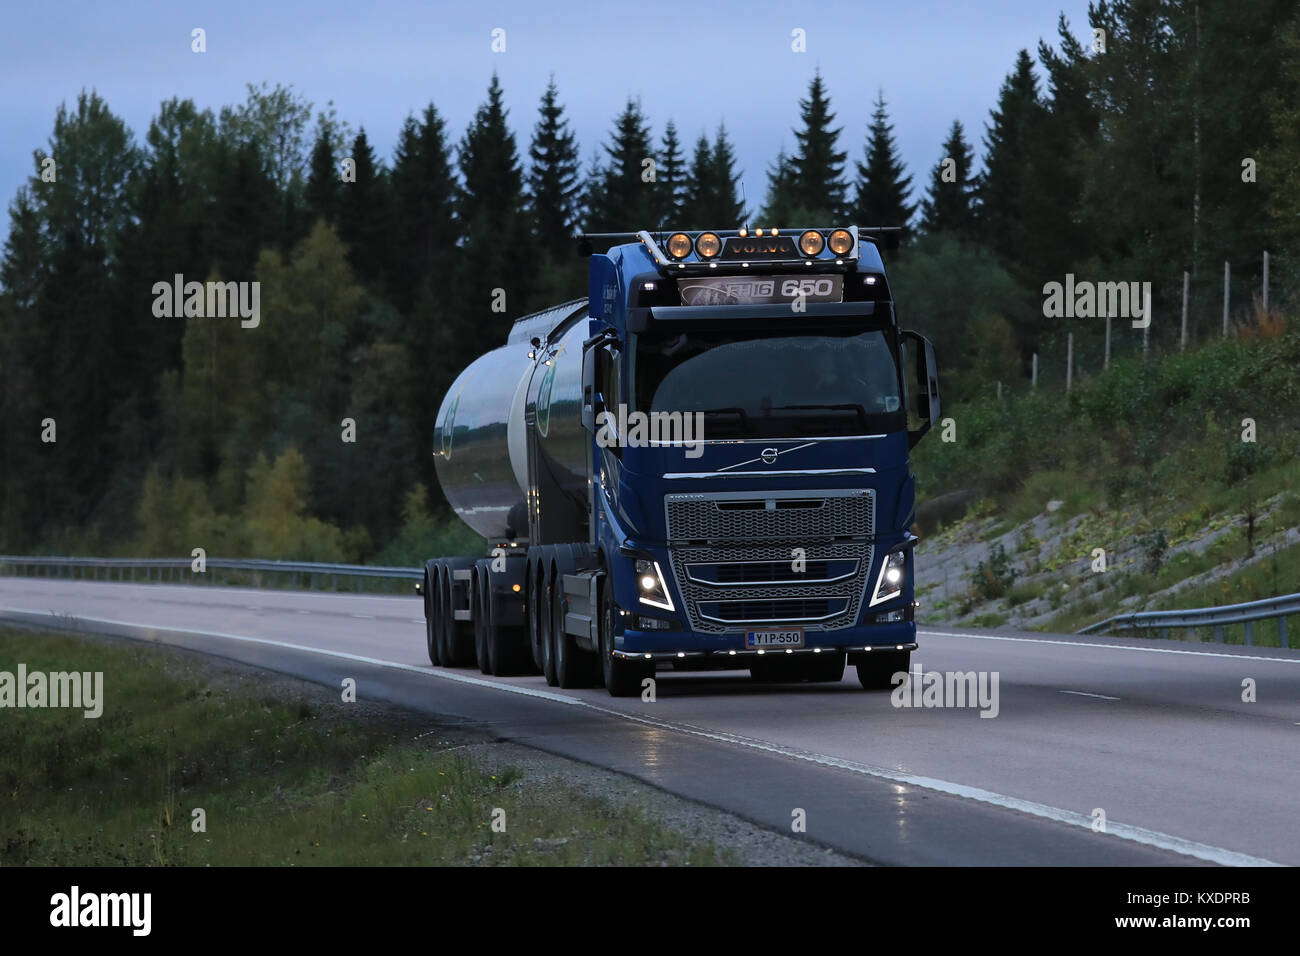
pixel 281 779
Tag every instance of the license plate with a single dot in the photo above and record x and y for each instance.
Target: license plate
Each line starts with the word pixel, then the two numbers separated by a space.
pixel 789 637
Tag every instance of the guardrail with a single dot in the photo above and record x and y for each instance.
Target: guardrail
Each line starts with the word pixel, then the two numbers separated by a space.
pixel 182 570
pixel 1212 617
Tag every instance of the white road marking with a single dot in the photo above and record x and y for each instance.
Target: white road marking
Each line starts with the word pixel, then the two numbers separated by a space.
pixel 1123 831
pixel 1079 693
pixel 1109 647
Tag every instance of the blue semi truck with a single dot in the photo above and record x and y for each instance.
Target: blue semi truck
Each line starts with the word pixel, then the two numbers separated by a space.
pixel 704 463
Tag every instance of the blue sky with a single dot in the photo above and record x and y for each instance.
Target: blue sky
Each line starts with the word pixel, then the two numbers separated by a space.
pixel 379 61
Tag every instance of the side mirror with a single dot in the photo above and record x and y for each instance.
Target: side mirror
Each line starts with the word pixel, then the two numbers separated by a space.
pixel 922 376
pixel 595 368
pixel 589 398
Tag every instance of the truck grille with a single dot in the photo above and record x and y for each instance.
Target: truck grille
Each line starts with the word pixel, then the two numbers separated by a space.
pixel 732 556
pixel 744 516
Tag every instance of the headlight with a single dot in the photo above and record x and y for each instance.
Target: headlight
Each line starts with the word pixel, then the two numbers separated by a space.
pixel 889 584
pixel 811 242
pixel 679 245
pixel 708 245
pixel 650 585
pixel 841 241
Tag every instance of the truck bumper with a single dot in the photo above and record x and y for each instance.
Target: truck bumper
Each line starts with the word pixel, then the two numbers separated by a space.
pixel 687 645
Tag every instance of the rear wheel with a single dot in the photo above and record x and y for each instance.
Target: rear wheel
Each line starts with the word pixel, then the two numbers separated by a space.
pixel 460 634
pixel 622 677
pixel 876 670
pixel 480 618
pixel 574 667
pixel 435 616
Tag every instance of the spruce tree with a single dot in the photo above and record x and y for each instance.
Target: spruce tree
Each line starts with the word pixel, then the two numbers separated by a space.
pixel 1053 197
pixel 490 208
pixel 364 213
pixel 423 186
pixel 883 189
pixel 492 189
pixel 619 198
pixel 322 194
pixel 1014 123
pixel 779 206
pixel 949 205
pixel 670 178
pixel 26 347
pixel 553 180
pixel 709 199
pixel 816 182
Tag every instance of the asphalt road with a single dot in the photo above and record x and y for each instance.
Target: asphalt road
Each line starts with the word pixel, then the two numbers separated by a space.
pixel 1155 734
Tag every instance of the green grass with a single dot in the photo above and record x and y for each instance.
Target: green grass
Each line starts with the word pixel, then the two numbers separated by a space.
pixel 1145 452
pixel 1142 434
pixel 283 780
pixel 1026 591
pixel 1278 573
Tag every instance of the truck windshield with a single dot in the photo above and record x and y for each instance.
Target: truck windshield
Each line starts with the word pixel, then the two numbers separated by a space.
pixel 773 384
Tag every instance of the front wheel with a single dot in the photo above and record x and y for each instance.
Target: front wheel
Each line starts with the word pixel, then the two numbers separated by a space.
pixel 622 677
pixel 826 667
pixel 876 670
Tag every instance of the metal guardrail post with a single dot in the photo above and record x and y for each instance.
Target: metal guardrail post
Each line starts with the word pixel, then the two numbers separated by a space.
pixel 1281 632
pixel 1250 633
pixel 1218 634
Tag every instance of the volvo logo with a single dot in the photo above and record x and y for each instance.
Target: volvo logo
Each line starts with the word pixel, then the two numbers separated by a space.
pixel 768 455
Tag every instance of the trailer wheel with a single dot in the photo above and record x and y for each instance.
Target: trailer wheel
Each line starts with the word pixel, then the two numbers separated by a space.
pixel 622 677
pixel 430 634
pixel 447 617
pixel 876 671
pixel 434 618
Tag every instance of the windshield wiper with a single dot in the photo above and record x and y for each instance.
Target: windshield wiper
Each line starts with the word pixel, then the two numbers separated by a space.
pixel 847 407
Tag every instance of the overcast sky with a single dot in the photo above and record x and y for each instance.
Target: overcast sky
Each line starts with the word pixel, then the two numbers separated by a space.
pixel 379 60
